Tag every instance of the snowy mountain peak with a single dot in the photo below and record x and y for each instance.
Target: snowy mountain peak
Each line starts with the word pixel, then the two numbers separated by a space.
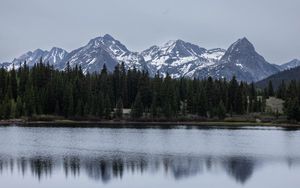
pixel 174 43
pixel 110 44
pixel 57 49
pixel 30 57
pixel 242 48
pixel 291 64
pixel 55 56
pixel 100 51
pixel 242 45
pixel 244 39
pixel 59 52
pixel 176 57
pixel 171 51
pixel 38 51
pixel 180 48
pixel 243 61
pixel 108 37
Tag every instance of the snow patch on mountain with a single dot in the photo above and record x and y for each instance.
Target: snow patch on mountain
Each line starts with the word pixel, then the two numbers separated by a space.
pixel 214 55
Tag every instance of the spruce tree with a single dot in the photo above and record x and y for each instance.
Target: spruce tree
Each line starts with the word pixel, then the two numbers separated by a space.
pixel 184 108
pixel 13 83
pixel 154 112
pixel 281 91
pixel 221 111
pixel 270 89
pixel 6 108
pixel 79 108
pixel 202 103
pixel 292 109
pixel 19 107
pixel 57 108
pixel 70 106
pixel 232 95
pixel 107 107
pixel 137 107
pixel 29 103
pixel 101 106
pixel 119 109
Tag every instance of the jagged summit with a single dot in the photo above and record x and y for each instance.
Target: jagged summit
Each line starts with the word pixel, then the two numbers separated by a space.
pixel 239 48
pixel 108 37
pixel 100 51
pixel 110 43
pixel 182 48
pixel 240 60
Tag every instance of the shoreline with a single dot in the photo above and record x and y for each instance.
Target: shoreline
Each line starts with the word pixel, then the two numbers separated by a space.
pixel 73 123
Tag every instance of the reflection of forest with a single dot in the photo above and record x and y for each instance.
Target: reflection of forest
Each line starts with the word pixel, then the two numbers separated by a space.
pixel 107 168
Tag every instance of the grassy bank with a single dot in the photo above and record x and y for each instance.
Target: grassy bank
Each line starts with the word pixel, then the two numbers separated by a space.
pixel 43 120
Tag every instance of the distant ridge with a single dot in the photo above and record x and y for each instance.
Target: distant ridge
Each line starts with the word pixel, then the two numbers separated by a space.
pixel 286 75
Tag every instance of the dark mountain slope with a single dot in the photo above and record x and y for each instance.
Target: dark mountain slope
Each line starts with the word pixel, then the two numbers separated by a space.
pixel 287 75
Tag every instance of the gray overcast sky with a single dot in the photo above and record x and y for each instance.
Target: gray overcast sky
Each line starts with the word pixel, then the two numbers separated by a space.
pixel 273 26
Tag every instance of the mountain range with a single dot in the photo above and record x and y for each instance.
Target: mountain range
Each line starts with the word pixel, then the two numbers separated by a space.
pixel 176 58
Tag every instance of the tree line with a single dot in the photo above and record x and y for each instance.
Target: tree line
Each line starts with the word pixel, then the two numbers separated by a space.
pixel 43 90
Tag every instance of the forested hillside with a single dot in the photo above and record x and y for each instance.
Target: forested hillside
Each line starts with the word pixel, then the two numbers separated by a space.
pixel 287 76
pixel 70 93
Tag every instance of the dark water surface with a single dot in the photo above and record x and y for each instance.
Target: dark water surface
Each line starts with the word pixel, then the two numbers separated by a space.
pixel 149 157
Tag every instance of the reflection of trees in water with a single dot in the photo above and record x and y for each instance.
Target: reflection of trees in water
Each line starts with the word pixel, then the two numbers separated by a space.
pixel 71 166
pixel 107 168
pixel 38 166
pixel 240 168
pixel 41 167
pixel 22 165
pixel 183 167
pixel 104 170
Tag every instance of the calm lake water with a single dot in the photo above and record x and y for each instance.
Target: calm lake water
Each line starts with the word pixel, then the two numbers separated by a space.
pixel 149 157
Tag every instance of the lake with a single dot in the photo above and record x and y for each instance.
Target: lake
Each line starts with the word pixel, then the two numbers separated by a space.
pixel 149 156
